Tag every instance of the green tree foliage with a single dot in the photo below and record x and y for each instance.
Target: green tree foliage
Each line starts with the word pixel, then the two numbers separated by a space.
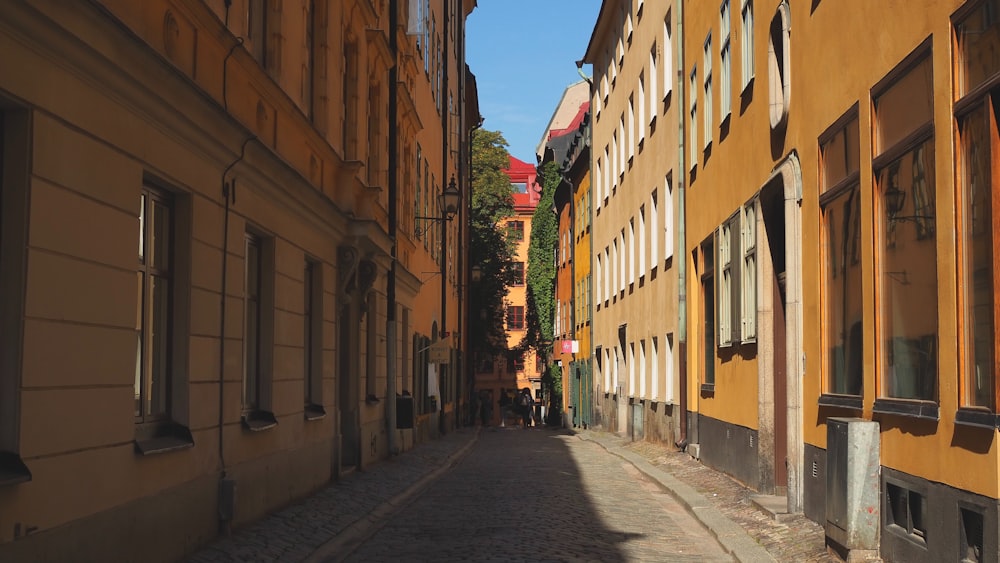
pixel 490 251
pixel 542 265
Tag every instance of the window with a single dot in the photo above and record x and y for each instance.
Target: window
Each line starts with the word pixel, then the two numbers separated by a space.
pixel 155 308
pixel 654 78
pixel 693 122
pixel 840 203
pixel 668 369
pixel 654 369
pixel 312 339
pixel 642 370
pixel 631 251
pixel 257 331
pixel 778 66
pixel 728 243
pixel 256 35
pixel 519 187
pixel 641 124
pixel 904 173
pixel 622 258
pixel 668 58
pixel 607 277
pixel 654 233
pixel 642 240
pixel 668 217
pixel 518 273
pixel 746 46
pixel 617 160
pixel 977 150
pixel 350 101
pixel 622 142
pixel 615 284
pixel 632 386
pixel 515 229
pixel 725 82
pixel 707 111
pixel 606 184
pixel 748 281
pixel 515 317
pixel 599 179
pixel 708 313
pixel 600 277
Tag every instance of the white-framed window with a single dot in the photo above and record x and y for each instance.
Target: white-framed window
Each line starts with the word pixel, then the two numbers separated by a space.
pixel 642 370
pixel 746 43
pixel 693 123
pixel 607 173
pixel 604 88
pixel 642 240
pixel 654 78
pixel 779 66
pixel 607 369
pixel 631 370
pixel 599 180
pixel 617 156
pixel 668 368
pixel 620 52
pixel 728 265
pixel 654 233
pixel 614 268
pixel 668 58
pixel 631 251
pixel 622 254
pixel 641 125
pixel 600 273
pixel 607 275
pixel 621 147
pixel 629 28
pixel 630 127
pixel 748 282
pixel 707 72
pixel 668 216
pixel 725 56
pixel 654 369
pixel 614 370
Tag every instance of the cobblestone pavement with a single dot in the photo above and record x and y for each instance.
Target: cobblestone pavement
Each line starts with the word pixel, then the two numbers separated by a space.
pixel 794 539
pixel 539 495
pixel 294 533
pixel 527 495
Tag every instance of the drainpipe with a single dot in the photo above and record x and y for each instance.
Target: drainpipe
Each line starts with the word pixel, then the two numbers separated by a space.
pixel 390 317
pixel 681 250
pixel 444 218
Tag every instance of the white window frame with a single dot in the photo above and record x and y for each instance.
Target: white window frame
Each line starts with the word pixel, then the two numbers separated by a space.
pixel 693 124
pixel 725 60
pixel 622 254
pixel 631 370
pixel 654 233
pixel 746 44
pixel 642 370
pixel 668 217
pixel 748 285
pixel 642 108
pixel 642 240
pixel 668 58
pixel 707 102
pixel 621 147
pixel 630 127
pixel 668 365
pixel 654 369
pixel 631 251
pixel 728 269
pixel 653 80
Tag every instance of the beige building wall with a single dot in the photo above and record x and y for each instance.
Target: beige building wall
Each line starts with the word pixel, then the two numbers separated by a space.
pixel 105 106
pixel 634 159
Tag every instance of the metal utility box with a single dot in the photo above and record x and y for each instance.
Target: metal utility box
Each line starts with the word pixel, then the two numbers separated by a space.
pixel 852 483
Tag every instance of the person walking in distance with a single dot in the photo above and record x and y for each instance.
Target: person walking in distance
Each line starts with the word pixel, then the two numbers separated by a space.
pixel 525 404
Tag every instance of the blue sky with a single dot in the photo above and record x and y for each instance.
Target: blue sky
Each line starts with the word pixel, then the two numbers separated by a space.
pixel 524 53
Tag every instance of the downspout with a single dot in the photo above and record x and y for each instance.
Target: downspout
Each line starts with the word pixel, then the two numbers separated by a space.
pixel 390 317
pixel 444 219
pixel 681 250
pixel 463 231
pixel 227 487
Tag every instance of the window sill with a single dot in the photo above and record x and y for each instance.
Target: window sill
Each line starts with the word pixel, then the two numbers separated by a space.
pixel 841 401
pixel 12 469
pixel 927 410
pixel 257 421
pixel 162 438
pixel 708 389
pixel 977 417
pixel 314 412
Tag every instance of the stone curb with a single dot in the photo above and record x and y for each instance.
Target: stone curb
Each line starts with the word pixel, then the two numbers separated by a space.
pixel 340 546
pixel 733 538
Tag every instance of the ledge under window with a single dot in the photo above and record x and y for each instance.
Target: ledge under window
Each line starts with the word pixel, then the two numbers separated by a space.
pixel 841 401
pixel 928 410
pixel 314 412
pixel 708 388
pixel 161 438
pixel 12 469
pixel 980 418
pixel 256 421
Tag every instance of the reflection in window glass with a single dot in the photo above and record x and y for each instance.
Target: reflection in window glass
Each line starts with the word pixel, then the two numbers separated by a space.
pixel 979 44
pixel 842 293
pixel 905 106
pixel 977 258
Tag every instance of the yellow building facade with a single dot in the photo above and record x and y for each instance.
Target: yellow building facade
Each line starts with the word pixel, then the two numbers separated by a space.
pixel 836 224
pixel 246 150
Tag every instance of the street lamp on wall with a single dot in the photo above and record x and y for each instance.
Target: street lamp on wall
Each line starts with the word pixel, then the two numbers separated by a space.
pixel 448 201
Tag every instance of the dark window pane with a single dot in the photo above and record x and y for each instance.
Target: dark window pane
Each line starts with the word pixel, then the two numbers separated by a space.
pixel 905 106
pixel 977 259
pixel 842 294
pixel 908 280
pixel 156 400
pixel 160 246
pixel 979 45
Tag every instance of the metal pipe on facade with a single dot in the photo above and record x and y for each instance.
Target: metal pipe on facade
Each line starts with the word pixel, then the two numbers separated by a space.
pixel 681 251
pixel 445 373
pixel 390 317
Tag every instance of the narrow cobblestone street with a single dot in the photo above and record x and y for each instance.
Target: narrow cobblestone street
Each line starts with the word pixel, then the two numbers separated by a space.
pixel 541 495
